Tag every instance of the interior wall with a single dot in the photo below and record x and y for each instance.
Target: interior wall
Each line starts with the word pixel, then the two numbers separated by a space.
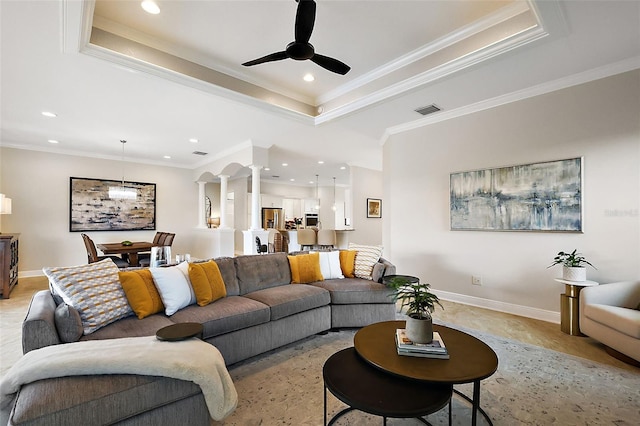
pixel 366 183
pixel 38 183
pixel 599 121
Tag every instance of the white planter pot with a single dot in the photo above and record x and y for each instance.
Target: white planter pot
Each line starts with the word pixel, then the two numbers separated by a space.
pixel 574 273
pixel 419 330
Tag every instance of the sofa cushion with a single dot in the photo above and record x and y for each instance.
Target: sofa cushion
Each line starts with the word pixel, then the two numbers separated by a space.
pixel 348 262
pixel 95 400
pixel 305 268
pixel 68 323
pixel 366 258
pixel 94 290
pixel 227 267
pixel 225 315
pixel 131 327
pixel 141 292
pixel 355 291
pixel 291 299
pixel 257 272
pixel 174 287
pixel 207 282
pixel 624 320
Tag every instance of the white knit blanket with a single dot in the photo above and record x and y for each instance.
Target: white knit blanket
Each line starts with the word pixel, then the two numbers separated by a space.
pixel 191 359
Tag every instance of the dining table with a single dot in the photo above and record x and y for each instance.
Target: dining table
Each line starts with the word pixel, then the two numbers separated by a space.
pixel 131 250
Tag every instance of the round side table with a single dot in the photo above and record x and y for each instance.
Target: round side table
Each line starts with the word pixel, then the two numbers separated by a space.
pixel 570 305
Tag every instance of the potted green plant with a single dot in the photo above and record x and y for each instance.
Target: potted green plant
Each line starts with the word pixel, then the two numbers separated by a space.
pixel 420 303
pixel 573 268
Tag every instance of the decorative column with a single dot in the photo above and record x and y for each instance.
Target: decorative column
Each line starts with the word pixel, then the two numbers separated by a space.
pixel 202 222
pixel 255 198
pixel 223 200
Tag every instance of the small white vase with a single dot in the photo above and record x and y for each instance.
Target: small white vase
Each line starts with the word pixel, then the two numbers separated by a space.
pixel 419 330
pixel 577 273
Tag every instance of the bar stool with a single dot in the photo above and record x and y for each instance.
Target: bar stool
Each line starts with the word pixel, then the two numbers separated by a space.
pixel 306 238
pixel 326 238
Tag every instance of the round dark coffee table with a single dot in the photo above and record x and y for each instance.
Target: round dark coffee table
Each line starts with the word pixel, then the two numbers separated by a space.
pixel 471 360
pixel 179 331
pixel 362 387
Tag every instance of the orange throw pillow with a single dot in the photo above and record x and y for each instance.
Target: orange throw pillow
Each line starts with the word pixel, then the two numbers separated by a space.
pixel 305 268
pixel 207 282
pixel 348 262
pixel 141 293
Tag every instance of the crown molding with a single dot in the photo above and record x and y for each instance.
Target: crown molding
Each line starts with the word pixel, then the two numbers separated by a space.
pixel 537 90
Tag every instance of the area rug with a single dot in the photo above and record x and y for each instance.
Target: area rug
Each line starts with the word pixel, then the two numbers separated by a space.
pixel 533 386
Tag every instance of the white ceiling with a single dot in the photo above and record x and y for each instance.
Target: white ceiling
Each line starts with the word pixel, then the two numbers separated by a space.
pixel 110 71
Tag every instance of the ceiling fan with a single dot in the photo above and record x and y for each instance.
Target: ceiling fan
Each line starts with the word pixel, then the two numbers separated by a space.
pixel 301 49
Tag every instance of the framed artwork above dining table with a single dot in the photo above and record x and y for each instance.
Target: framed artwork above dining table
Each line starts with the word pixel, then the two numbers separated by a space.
pixel 111 205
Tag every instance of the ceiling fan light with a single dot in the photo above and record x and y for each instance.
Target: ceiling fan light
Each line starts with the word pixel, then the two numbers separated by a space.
pixel 150 6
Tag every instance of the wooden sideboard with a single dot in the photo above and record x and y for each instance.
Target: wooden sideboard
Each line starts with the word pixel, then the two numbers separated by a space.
pixel 8 263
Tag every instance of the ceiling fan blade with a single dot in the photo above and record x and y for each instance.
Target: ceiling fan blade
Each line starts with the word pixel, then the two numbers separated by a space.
pixel 305 19
pixel 278 56
pixel 331 64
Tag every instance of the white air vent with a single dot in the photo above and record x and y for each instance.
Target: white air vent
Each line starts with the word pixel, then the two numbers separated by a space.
pixel 199 153
pixel 426 110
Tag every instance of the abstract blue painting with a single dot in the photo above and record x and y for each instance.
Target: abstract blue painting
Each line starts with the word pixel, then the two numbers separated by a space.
pixel 532 197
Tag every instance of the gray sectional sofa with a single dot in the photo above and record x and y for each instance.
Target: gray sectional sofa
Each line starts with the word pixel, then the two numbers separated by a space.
pixel 262 311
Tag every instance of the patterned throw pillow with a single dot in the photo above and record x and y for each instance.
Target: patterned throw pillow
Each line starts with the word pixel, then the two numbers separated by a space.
pixel 207 282
pixel 366 258
pixel 94 290
pixel 141 293
pixel 305 268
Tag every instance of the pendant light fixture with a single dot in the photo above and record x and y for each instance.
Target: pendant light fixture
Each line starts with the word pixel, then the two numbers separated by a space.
pixel 317 196
pixel 334 194
pixel 122 192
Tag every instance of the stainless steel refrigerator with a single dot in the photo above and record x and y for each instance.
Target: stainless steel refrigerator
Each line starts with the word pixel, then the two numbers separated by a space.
pixel 272 218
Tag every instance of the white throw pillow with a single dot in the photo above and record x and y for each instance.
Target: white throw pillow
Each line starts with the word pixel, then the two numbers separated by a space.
pixel 94 290
pixel 330 265
pixel 366 258
pixel 174 287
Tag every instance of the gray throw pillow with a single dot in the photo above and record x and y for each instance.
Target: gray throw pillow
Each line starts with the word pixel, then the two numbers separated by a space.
pixel 68 323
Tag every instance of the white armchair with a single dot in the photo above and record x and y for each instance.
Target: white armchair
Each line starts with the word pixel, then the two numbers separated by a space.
pixel 609 314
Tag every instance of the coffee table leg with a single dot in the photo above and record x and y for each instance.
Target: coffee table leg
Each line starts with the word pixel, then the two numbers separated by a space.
pixel 476 402
pixel 325 406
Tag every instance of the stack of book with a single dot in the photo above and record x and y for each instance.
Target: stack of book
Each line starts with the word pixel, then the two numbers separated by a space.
pixel 435 349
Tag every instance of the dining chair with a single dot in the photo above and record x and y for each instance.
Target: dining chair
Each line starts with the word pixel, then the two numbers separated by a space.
pixel 306 238
pixel 326 238
pixel 92 254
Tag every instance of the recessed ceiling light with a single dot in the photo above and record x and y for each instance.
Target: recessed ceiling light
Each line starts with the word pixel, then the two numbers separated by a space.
pixel 343 168
pixel 52 141
pixel 266 169
pixel 193 140
pixel 311 182
pixel 292 180
pixel 48 114
pixel 150 6
pixel 308 77
pixel 284 164
pixel 168 157
pixel 320 162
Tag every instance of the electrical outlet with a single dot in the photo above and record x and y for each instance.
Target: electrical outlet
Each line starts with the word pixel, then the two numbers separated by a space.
pixel 476 280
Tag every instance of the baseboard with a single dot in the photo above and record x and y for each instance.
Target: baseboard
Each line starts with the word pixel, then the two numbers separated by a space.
pixel 494 305
pixel 28 274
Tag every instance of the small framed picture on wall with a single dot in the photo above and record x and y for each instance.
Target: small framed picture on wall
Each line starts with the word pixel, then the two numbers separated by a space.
pixel 374 207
